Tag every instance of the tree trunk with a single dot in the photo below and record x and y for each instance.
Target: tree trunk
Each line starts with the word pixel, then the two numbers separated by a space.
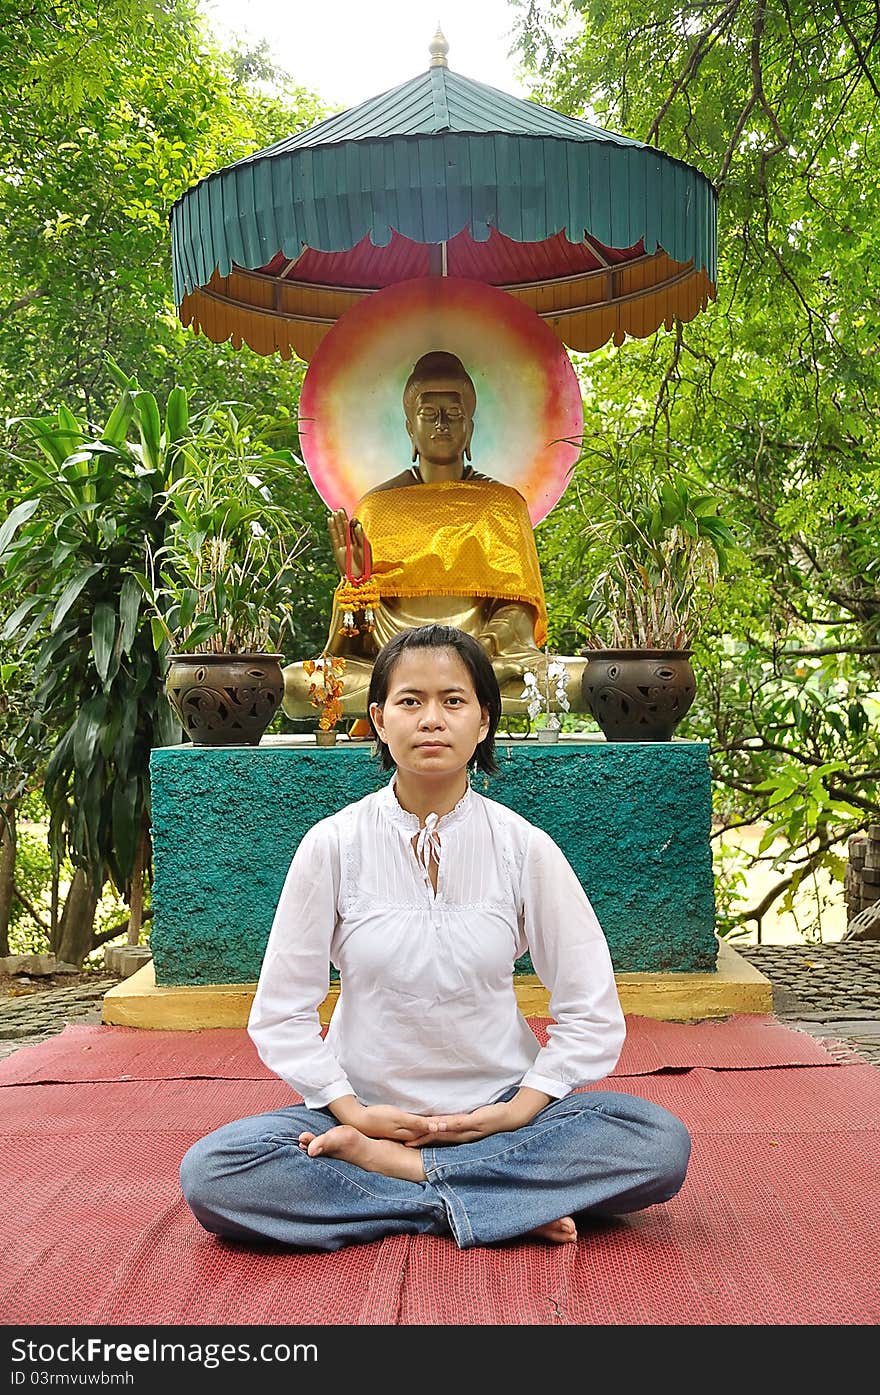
pixel 77 920
pixel 54 920
pixel 8 842
pixel 136 899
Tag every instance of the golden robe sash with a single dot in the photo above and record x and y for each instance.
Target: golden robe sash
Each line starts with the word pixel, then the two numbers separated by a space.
pixel 455 538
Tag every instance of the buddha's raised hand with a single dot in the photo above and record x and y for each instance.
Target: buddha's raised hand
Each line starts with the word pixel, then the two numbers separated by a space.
pixel 337 525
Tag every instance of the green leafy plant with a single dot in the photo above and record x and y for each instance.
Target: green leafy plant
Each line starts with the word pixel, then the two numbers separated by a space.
pixel 93 506
pixel 665 550
pixel 88 504
pixel 224 577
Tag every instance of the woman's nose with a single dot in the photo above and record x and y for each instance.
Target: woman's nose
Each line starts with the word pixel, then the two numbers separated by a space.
pixel 432 715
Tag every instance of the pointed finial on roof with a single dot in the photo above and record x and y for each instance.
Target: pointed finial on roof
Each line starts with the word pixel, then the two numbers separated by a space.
pixel 438 49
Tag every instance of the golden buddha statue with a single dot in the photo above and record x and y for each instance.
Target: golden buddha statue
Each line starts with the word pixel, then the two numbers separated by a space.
pixel 448 546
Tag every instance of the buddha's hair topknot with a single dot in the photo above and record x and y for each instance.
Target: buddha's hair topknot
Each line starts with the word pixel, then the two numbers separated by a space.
pixel 439 371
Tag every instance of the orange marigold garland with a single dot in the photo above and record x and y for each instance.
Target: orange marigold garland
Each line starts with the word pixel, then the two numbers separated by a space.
pixel 326 694
pixel 357 595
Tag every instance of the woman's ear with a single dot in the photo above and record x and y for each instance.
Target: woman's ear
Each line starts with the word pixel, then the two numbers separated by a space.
pixel 376 716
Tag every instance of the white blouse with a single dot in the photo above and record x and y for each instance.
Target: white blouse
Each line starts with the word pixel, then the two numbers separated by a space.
pixel 427 1017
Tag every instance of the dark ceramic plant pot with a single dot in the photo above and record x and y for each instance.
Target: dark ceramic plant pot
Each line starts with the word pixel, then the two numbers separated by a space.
pixel 638 694
pixel 225 699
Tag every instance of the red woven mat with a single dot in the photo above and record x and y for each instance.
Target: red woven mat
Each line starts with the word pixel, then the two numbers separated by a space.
pixel 843 1099
pixel 226 1053
pixel 752 1239
pixel 777 1222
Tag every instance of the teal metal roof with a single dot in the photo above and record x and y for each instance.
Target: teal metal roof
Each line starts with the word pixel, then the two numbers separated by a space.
pixel 429 158
pixel 437 101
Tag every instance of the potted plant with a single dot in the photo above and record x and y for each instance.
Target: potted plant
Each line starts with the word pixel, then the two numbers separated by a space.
pixel 541 693
pixel 664 556
pixel 220 586
pixel 325 692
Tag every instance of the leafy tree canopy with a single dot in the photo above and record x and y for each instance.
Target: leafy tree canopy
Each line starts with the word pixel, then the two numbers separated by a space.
pixel 110 109
pixel 770 396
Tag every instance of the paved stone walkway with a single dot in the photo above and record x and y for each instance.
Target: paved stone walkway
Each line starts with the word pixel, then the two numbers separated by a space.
pixel 831 991
pixel 42 1012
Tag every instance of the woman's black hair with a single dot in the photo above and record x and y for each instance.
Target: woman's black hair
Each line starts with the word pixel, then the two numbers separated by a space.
pixel 475 660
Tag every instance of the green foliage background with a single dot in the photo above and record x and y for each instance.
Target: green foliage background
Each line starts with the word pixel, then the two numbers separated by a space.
pixel 769 397
pixel 109 110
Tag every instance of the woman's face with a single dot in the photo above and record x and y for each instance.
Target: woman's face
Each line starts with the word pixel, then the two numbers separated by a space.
pixel 431 719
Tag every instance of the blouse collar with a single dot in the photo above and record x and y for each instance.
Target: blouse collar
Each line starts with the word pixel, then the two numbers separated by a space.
pixel 410 822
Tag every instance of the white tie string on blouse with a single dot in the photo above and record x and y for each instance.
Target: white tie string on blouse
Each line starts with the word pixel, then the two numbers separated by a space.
pixel 428 845
pixel 427 1017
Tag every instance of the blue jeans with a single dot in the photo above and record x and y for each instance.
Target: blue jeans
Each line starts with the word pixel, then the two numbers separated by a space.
pixel 599 1153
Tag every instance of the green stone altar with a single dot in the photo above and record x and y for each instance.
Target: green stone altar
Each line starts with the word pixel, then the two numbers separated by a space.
pixel 633 819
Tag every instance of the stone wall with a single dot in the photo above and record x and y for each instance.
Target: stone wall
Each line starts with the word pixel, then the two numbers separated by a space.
pixel 862 880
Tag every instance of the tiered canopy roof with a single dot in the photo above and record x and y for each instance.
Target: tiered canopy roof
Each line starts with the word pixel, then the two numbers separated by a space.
pixel 602 235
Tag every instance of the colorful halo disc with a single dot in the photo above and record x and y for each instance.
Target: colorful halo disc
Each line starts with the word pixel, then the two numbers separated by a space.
pixel 528 424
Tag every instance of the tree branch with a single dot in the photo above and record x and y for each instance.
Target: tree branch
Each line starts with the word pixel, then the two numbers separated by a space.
pixel 758 912
pixel 24 300
pixel 832 649
pixel 758 76
pixel 31 910
pixel 695 58
pixel 868 805
pixel 863 63
pixel 120 929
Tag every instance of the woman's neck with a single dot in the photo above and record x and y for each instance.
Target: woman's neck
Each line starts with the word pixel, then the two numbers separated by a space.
pixel 422 797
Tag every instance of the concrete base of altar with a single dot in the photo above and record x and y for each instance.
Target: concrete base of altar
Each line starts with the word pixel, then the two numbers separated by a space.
pixel 734 986
pixel 633 819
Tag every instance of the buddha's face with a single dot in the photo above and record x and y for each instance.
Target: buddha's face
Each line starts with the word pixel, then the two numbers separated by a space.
pixel 439 426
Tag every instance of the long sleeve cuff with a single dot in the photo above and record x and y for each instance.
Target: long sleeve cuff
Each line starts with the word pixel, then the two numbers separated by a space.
pixel 319 1098
pixel 556 1089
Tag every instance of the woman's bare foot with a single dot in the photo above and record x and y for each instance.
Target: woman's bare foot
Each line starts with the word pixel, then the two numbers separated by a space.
pixel 372 1154
pixel 561 1232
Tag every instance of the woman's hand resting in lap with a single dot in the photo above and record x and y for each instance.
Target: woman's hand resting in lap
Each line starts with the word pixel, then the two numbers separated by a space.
pixel 378 1120
pixel 420 1130
pixel 480 1123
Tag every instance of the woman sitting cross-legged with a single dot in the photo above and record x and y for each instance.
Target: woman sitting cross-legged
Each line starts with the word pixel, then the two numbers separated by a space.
pixel 430 1106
